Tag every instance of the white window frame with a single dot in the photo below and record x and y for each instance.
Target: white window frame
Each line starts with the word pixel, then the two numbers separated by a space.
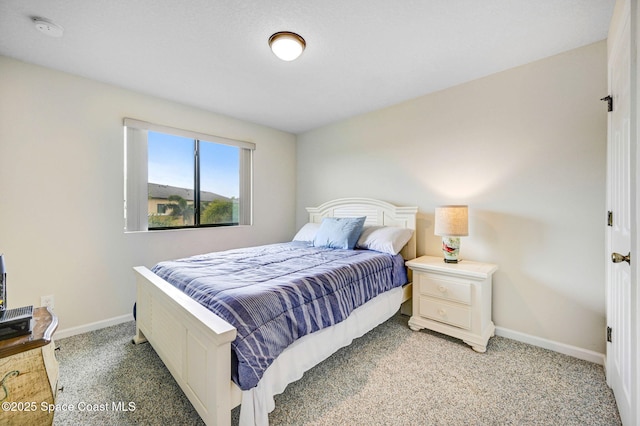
pixel 136 171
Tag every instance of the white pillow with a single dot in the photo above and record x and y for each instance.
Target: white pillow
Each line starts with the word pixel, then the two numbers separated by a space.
pixel 387 239
pixel 307 232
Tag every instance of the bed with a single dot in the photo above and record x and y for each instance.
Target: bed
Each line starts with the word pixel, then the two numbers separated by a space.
pixel 196 345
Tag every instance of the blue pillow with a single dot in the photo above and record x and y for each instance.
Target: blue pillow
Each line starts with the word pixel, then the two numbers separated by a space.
pixel 339 232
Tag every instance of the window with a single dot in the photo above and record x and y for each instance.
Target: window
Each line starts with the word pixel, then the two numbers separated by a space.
pixel 180 179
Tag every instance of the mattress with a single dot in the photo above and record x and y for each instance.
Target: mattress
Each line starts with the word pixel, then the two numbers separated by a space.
pixel 276 294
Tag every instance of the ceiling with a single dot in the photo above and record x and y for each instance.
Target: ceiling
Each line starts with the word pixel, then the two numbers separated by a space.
pixel 361 55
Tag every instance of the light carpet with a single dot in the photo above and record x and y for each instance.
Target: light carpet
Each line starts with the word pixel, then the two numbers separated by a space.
pixel 390 376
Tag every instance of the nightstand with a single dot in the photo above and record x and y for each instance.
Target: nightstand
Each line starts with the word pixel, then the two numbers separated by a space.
pixel 453 299
pixel 29 373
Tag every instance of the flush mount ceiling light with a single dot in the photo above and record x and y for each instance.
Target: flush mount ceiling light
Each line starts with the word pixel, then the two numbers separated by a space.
pixel 287 45
pixel 47 27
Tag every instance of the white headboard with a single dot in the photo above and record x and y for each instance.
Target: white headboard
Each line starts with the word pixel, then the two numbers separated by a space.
pixel 377 212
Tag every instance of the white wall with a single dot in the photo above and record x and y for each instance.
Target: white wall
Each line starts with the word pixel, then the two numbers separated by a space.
pixel 61 191
pixel 526 150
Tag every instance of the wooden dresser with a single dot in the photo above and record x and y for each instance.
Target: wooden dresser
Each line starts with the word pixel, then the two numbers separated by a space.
pixel 29 373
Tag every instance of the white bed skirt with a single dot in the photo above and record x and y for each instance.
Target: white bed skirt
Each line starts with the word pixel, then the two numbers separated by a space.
pixel 310 350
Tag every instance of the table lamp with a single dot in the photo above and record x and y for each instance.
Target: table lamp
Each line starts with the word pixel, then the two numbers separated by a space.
pixel 451 223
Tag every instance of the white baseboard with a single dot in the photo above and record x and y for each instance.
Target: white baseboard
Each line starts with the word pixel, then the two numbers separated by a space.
pixel 68 332
pixel 562 348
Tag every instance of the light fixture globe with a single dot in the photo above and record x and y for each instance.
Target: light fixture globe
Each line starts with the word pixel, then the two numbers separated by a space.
pixel 287 45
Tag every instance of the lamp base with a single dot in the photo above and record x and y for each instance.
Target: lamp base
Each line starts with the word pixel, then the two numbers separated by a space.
pixel 451 249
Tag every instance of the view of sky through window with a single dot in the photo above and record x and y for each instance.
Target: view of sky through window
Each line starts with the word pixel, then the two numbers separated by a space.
pixel 171 163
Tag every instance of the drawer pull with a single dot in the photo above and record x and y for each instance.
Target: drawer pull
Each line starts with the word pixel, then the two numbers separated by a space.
pixel 442 312
pixel 442 288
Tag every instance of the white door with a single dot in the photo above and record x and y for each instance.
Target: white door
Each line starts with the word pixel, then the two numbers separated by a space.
pixel 619 198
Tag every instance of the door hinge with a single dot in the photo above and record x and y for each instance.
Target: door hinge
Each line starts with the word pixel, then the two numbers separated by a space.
pixel 609 100
pixel 609 218
pixel 609 334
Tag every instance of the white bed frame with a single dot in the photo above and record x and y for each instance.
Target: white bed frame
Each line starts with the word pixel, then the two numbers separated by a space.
pixel 195 344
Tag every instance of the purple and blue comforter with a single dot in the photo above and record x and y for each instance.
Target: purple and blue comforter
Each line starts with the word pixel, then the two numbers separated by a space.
pixel 277 293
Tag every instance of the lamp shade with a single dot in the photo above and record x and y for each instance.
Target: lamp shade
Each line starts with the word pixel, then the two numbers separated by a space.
pixel 451 221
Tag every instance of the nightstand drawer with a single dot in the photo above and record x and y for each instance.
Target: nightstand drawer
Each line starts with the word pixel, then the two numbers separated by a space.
pixel 456 291
pixel 449 313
